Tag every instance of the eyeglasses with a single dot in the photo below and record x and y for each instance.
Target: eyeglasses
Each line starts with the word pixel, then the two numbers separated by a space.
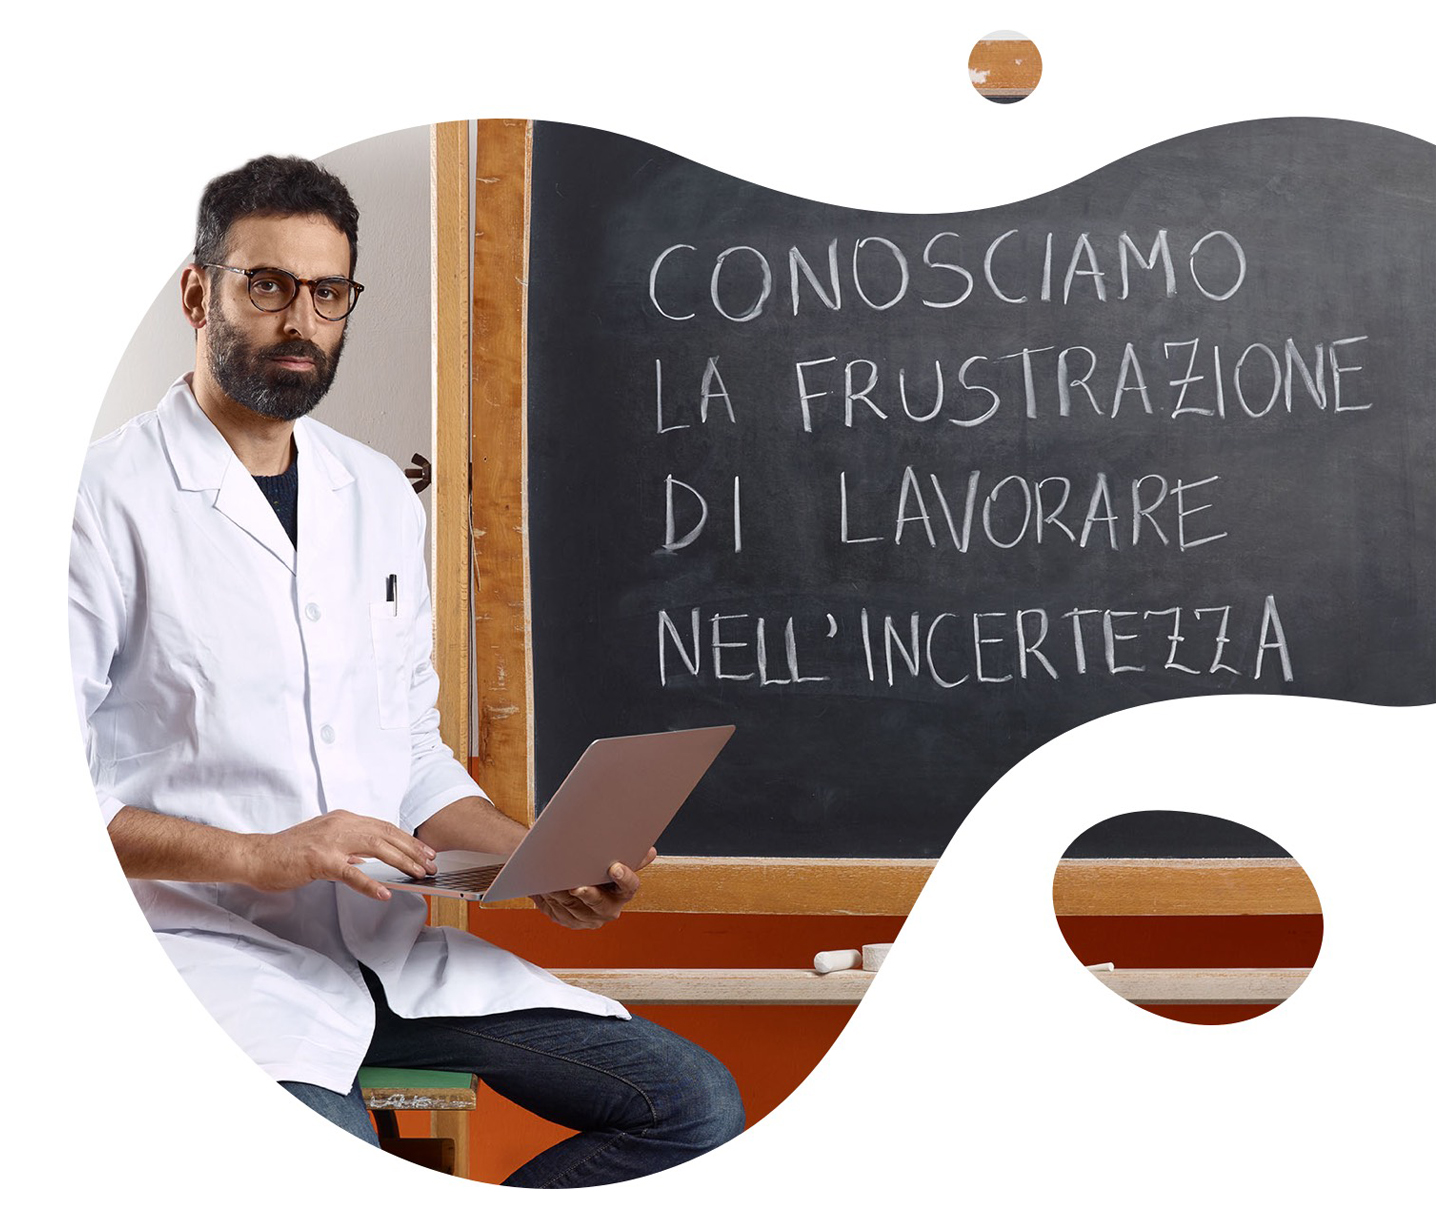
pixel 272 290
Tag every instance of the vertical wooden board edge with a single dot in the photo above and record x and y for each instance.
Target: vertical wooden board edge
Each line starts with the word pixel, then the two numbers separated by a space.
pixel 501 753
pixel 449 531
pixel 449 541
pixel 530 805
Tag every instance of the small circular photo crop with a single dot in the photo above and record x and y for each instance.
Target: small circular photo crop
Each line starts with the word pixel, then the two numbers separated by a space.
pixel 1195 918
pixel 1004 66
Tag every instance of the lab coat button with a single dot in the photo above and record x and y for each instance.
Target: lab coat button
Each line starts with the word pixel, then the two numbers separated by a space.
pixel 311 611
pixel 326 734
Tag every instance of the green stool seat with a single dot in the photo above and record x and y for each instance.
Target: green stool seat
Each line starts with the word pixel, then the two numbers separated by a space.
pixel 417 1089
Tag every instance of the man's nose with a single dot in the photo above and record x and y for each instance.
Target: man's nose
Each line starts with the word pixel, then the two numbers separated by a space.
pixel 300 317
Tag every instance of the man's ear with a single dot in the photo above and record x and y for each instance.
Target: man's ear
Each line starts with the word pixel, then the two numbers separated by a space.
pixel 194 295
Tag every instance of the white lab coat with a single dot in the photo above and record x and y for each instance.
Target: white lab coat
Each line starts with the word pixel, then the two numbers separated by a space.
pixel 224 678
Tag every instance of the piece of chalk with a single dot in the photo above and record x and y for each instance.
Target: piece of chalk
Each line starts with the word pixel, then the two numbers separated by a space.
pixel 831 962
pixel 1101 968
pixel 874 954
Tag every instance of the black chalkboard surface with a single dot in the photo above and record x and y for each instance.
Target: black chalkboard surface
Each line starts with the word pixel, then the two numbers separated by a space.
pixel 905 496
pixel 1160 834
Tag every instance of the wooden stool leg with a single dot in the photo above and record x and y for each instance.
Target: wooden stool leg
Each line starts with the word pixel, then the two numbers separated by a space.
pixel 454 1125
pixel 449 1097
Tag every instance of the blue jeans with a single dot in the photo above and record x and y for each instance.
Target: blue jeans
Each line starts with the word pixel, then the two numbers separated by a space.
pixel 641 1098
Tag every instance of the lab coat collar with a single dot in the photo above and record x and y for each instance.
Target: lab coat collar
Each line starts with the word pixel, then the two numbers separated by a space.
pixel 203 460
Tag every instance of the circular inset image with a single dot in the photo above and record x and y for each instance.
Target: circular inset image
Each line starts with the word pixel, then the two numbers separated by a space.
pixel 1191 917
pixel 1004 66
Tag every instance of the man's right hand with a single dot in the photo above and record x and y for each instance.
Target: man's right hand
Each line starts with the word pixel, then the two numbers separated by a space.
pixel 328 847
pixel 152 846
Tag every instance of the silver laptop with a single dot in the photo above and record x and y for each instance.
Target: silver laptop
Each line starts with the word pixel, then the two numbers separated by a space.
pixel 612 807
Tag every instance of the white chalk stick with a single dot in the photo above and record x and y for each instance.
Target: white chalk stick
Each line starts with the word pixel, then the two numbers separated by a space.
pixel 1101 968
pixel 874 954
pixel 832 962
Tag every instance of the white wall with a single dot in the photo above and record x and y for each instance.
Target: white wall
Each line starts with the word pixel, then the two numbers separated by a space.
pixel 381 394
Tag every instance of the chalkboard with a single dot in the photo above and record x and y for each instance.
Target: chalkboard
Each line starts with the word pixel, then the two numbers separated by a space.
pixel 1159 834
pixel 905 496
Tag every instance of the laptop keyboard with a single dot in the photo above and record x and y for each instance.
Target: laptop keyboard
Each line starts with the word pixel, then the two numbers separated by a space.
pixel 470 879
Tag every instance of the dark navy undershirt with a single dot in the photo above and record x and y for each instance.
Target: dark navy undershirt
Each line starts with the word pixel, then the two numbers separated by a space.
pixel 282 491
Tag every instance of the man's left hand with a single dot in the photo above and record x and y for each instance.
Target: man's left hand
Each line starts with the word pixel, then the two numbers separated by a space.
pixel 594 905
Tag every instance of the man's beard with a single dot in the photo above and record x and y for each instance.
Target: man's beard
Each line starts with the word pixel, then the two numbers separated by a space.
pixel 246 376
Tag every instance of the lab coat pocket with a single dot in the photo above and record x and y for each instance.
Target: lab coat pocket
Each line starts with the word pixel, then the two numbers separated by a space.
pixel 389 631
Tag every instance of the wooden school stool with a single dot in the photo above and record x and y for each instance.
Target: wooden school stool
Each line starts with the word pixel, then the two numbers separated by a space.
pixel 447 1097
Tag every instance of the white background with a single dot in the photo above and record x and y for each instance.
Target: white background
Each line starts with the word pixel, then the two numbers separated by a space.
pixel 986 1073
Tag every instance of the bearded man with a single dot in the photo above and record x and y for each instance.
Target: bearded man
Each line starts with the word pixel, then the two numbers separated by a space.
pixel 250 633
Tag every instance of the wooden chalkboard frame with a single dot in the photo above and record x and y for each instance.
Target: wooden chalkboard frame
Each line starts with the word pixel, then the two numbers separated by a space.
pixel 493 640
pixel 498 651
pixel 1135 887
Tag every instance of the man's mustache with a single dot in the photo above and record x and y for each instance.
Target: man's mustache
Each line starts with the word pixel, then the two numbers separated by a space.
pixel 298 348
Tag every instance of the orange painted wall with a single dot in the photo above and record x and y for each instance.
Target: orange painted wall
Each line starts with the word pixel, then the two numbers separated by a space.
pixel 768 1049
